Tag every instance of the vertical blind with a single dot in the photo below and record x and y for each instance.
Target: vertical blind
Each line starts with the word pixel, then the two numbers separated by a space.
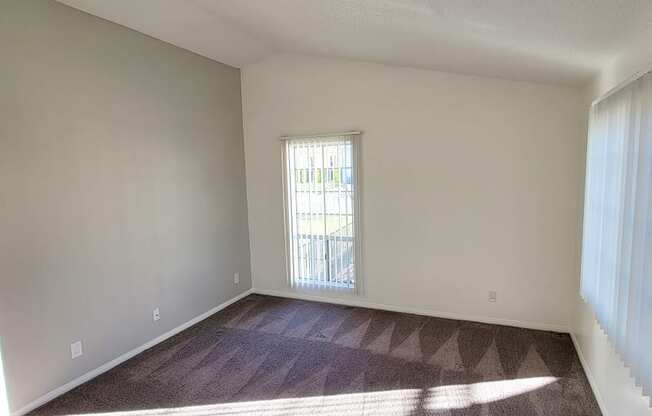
pixel 617 245
pixel 321 212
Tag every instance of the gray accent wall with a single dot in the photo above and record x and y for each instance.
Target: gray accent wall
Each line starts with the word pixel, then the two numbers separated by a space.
pixel 122 189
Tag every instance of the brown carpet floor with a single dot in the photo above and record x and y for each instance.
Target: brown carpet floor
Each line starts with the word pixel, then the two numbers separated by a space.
pixel 273 356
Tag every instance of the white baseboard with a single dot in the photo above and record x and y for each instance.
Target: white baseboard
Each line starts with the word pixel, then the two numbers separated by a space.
pixel 124 357
pixel 589 376
pixel 296 295
pixel 417 311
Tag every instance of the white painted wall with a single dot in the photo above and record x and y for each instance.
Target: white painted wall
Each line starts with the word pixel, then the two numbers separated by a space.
pixel 612 382
pixel 469 184
pixel 633 60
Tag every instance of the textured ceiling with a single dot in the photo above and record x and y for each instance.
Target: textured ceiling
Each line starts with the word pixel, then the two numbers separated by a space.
pixel 554 41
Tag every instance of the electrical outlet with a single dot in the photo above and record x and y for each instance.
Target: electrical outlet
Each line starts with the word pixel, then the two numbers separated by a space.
pixel 156 314
pixel 76 349
pixel 236 278
pixel 492 296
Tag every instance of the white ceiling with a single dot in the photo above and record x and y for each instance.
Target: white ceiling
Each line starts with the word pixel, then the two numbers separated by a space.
pixel 554 41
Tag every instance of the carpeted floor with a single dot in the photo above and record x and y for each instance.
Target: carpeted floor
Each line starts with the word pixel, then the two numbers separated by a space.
pixel 273 356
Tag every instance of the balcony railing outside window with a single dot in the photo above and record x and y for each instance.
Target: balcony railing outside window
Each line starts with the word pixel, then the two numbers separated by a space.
pixel 321 211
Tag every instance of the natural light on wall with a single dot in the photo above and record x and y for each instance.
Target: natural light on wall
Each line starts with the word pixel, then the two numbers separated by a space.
pixel 321 211
pixel 4 402
pixel 436 400
pixel 617 247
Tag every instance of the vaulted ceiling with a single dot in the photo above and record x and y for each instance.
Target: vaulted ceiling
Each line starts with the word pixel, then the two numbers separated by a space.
pixel 554 41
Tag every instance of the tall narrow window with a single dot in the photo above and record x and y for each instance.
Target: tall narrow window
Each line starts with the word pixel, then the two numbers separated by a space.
pixel 617 248
pixel 321 211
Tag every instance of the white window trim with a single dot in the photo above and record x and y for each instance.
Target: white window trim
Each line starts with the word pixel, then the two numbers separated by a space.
pixel 355 136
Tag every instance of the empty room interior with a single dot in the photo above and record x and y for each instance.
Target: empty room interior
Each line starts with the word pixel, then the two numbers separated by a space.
pixel 326 207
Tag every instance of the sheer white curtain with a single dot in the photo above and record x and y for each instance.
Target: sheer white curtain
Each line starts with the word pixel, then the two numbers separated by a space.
pixel 617 246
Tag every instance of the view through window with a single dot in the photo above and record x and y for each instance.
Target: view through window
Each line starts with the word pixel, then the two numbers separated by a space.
pixel 321 211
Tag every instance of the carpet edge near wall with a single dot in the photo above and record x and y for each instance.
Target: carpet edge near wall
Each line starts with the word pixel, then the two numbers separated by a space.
pixel 53 394
pixel 416 311
pixel 305 296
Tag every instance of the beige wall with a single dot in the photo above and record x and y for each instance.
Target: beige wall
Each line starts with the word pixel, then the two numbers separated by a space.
pixel 469 184
pixel 122 189
pixel 612 382
pixel 630 62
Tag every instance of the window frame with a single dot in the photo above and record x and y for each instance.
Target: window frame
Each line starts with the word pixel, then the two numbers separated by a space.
pixel 358 281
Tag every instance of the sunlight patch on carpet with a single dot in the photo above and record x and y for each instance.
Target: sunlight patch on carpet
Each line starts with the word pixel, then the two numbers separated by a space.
pixel 463 396
pixel 391 402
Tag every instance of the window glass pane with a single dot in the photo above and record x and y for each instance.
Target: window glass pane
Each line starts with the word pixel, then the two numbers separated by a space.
pixel 320 200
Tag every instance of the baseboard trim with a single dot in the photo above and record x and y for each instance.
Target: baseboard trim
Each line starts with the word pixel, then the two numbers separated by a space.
pixel 124 357
pixel 416 311
pixel 589 376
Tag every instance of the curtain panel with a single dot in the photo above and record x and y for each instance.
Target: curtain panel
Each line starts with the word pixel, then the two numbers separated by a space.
pixel 617 243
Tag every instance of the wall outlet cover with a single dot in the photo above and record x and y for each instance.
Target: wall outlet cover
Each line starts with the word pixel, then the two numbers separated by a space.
pixel 156 314
pixel 492 296
pixel 76 349
pixel 236 278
